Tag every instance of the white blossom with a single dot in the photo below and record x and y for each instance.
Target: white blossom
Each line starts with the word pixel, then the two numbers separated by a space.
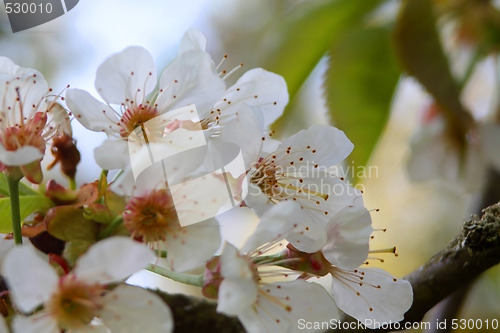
pixel 262 294
pixel 73 301
pixel 29 117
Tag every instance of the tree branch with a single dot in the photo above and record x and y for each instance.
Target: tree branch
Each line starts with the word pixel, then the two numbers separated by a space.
pixel 449 307
pixel 198 315
pixel 471 253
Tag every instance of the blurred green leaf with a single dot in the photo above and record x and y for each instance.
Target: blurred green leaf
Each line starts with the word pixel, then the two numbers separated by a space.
pixel 75 248
pixel 360 82
pixel 68 223
pixel 24 189
pixel 304 37
pixel 29 204
pixel 419 49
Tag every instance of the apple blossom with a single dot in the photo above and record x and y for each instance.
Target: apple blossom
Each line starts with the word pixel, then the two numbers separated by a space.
pixel 297 172
pixel 29 117
pixel 72 302
pixel 368 294
pixel 240 280
pixel 126 82
pixel 159 215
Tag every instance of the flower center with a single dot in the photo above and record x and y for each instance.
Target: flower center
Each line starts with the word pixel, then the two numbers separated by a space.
pixel 75 303
pixel 287 175
pixel 27 134
pixel 136 117
pixel 152 216
pixel 266 178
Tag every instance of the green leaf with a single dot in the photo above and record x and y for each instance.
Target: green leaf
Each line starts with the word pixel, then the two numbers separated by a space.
pixel 302 39
pixel 75 248
pixel 24 189
pixel 360 81
pixel 29 204
pixel 68 223
pixel 420 51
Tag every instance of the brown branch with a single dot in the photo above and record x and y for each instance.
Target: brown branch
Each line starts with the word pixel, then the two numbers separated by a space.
pixel 198 315
pixel 474 251
pixel 471 253
pixel 447 309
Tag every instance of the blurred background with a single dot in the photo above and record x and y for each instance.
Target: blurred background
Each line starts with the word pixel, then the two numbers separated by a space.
pixel 414 84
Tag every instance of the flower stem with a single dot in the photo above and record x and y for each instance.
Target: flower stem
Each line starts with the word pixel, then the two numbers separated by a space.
pixel 106 232
pixel 470 69
pixel 13 183
pixel 191 279
pixel 269 258
pixel 72 183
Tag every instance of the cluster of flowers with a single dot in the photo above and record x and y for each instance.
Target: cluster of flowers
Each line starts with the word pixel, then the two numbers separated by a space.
pixel 188 149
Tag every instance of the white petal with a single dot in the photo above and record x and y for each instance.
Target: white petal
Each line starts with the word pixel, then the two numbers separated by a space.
pixel 112 154
pixel 348 237
pixel 373 296
pixel 26 83
pixel 19 157
pixel 28 290
pixel 59 115
pixel 192 40
pixel 8 67
pixel 130 309
pixel 274 225
pixel 91 328
pixel 238 290
pixel 190 79
pixel 236 296
pixel 3 326
pixel 130 74
pixel 328 146
pixel 234 266
pixel 306 235
pixel 318 193
pixel 189 247
pixel 257 88
pixel 91 113
pixel 37 323
pixel 245 131
pixel 257 200
pixel 140 175
pixel 285 304
pixel 112 260
pixel 6 245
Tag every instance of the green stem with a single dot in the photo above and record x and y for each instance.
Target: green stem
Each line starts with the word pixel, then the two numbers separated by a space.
pixel 191 279
pixel 15 208
pixel 106 232
pixel 269 258
pixel 470 69
pixel 72 183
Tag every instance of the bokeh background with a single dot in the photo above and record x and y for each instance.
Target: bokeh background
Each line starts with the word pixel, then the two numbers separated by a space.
pixel 344 66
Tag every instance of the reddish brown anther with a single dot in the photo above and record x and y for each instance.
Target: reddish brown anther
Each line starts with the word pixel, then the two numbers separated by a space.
pixel 65 152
